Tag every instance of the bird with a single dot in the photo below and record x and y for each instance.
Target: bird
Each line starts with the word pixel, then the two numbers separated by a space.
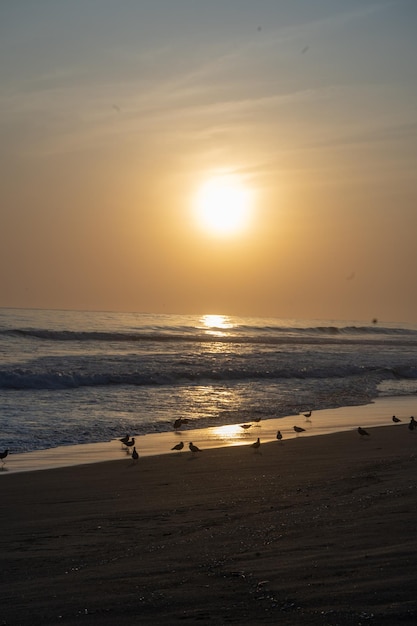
pixel 307 415
pixel 179 446
pixel 279 435
pixel 298 429
pixel 135 455
pixel 193 448
pixel 178 423
pixel 130 444
pixel 396 419
pixel 363 432
pixel 245 426
pixel 257 419
pixel 124 440
pixel 256 445
pixel 3 455
pixel 413 424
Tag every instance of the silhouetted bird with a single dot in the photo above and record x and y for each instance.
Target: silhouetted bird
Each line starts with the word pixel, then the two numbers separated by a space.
pixel 256 445
pixel 178 423
pixel 298 429
pixel 135 455
pixel 395 419
pixel 124 440
pixel 413 424
pixel 279 435
pixel 179 446
pixel 363 432
pixel 193 448
pixel 307 415
pixel 245 426
pixel 131 443
pixel 3 455
pixel 257 419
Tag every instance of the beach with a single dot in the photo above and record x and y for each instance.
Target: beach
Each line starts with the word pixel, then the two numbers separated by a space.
pixel 312 530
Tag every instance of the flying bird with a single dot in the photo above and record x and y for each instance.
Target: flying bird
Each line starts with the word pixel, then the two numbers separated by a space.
pixel 179 446
pixel 180 421
pixel 279 435
pixel 298 429
pixel 193 448
pixel 363 432
pixel 3 455
pixel 396 419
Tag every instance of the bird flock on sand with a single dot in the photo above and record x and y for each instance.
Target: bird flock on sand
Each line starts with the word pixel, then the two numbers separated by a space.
pixel 129 443
pixel 364 434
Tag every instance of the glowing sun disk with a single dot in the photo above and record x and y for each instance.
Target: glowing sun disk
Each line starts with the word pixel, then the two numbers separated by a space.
pixel 223 205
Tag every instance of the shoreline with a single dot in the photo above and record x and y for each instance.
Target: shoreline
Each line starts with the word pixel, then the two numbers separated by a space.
pixel 322 422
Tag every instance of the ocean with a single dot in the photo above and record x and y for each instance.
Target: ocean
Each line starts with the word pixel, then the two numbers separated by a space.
pixel 72 377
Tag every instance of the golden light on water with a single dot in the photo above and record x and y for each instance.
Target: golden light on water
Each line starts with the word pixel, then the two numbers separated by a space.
pixel 216 325
pixel 232 434
pixel 217 321
pixel 223 204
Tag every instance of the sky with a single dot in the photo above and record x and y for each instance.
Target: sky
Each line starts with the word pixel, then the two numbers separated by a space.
pixel 115 112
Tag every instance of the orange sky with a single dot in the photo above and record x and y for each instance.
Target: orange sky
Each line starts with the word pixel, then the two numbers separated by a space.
pixel 114 113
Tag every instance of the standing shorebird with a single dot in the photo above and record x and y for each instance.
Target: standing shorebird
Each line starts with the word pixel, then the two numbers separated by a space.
pixel 396 419
pixel 135 455
pixel 256 445
pixel 130 444
pixel 279 435
pixel 413 424
pixel 179 446
pixel 245 426
pixel 124 440
pixel 193 448
pixel 257 419
pixel 3 456
pixel 307 415
pixel 363 432
pixel 299 430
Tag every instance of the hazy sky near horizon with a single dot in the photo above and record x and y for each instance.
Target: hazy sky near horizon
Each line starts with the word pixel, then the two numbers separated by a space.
pixel 114 112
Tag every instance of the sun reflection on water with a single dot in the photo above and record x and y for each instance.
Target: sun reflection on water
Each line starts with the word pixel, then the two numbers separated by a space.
pixel 216 324
pixel 231 434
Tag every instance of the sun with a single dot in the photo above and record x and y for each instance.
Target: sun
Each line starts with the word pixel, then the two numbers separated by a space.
pixel 223 205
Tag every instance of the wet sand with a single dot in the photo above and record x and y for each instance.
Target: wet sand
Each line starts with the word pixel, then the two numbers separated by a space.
pixel 326 421
pixel 313 530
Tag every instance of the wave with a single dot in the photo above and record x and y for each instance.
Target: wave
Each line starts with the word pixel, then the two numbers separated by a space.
pixel 240 334
pixel 25 378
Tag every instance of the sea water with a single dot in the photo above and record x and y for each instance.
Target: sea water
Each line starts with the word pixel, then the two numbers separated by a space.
pixel 69 377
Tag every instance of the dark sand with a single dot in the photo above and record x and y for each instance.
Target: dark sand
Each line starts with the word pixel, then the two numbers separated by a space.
pixel 318 530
